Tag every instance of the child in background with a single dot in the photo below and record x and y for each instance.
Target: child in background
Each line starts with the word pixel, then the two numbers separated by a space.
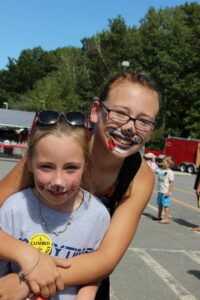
pixel 151 161
pixel 56 215
pixel 165 187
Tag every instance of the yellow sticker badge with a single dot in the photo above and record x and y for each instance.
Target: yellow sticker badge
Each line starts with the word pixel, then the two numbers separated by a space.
pixel 42 242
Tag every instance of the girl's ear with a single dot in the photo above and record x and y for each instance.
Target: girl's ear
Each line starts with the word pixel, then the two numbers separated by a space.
pixel 94 111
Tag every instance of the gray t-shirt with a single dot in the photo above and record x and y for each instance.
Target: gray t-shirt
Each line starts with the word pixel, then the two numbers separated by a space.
pixel 20 217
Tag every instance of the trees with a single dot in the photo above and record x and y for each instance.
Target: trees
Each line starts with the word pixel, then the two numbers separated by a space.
pixel 170 43
pixel 22 74
pixel 165 46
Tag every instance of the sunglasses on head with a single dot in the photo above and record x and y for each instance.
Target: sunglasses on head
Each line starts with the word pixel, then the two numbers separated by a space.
pixel 50 117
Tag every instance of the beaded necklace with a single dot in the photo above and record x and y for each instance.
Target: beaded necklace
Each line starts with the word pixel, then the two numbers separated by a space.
pixel 67 223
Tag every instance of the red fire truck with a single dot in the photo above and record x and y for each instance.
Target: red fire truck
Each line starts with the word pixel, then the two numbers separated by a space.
pixel 185 152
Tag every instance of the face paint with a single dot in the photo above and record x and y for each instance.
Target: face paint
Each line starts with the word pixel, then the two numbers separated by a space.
pixel 131 140
pixel 137 139
pixel 56 188
pixel 111 144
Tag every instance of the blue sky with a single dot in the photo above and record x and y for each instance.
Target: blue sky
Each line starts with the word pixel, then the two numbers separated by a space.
pixel 25 24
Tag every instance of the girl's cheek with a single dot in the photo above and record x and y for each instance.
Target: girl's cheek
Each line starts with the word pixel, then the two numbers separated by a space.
pixel 75 181
pixel 42 178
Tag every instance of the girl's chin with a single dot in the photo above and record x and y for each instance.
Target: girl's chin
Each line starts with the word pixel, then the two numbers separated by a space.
pixel 121 150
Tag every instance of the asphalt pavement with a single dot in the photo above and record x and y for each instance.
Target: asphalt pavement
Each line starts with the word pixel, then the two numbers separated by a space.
pixel 163 261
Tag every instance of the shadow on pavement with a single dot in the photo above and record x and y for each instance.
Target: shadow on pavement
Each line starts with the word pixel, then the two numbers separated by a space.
pixel 150 216
pixel 184 223
pixel 196 273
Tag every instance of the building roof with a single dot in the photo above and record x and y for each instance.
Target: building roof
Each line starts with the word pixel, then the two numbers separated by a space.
pixel 16 118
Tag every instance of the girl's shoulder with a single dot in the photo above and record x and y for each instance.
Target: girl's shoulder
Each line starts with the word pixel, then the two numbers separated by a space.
pixel 17 200
pixel 94 204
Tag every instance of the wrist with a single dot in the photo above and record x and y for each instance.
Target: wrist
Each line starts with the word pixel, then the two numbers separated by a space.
pixel 22 273
pixel 25 255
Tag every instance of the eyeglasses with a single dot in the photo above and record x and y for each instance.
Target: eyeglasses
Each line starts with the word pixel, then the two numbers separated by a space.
pixel 50 117
pixel 122 118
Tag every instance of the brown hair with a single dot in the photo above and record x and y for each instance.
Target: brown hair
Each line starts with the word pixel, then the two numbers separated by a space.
pixel 127 76
pixel 79 134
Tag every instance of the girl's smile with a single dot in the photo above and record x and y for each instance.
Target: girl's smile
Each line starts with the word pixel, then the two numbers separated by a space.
pixel 131 99
pixel 57 177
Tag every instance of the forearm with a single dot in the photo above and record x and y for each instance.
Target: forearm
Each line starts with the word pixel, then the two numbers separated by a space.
pixel 12 288
pixel 170 188
pixel 17 179
pixel 87 268
pixel 95 266
pixel 8 243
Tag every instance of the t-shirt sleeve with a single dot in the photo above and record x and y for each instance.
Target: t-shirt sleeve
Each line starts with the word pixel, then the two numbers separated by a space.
pixel 5 225
pixel 171 175
pixel 7 216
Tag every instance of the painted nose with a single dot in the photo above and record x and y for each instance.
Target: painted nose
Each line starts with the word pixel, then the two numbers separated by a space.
pixel 58 182
pixel 129 128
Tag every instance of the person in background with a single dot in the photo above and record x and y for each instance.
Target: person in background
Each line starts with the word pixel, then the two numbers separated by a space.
pixel 151 161
pixel 23 139
pixel 165 188
pixel 23 136
pixel 124 118
pixel 56 216
pixel 197 190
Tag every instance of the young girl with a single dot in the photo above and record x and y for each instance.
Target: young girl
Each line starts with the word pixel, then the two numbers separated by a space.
pixel 124 119
pixel 165 187
pixel 56 215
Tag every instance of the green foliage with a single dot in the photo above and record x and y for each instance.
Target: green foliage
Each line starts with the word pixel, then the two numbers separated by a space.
pixel 157 140
pixel 166 46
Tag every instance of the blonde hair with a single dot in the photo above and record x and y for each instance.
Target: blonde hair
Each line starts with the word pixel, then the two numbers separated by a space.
pixel 79 134
pixel 169 160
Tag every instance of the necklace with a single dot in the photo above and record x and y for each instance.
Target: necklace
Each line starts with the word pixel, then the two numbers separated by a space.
pixel 67 223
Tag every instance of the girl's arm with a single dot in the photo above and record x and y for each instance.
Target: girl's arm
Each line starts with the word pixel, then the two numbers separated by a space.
pixel 99 264
pixel 171 185
pixel 12 288
pixel 44 277
pixel 16 180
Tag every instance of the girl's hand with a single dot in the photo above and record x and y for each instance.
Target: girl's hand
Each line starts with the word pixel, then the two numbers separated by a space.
pixel 45 279
pixel 12 288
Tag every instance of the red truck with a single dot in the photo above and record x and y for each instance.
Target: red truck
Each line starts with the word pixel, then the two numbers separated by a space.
pixel 185 152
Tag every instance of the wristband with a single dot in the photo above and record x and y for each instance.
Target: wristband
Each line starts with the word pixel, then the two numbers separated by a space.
pixel 22 274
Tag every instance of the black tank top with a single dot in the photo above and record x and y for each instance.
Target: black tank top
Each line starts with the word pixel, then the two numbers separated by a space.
pixel 128 170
